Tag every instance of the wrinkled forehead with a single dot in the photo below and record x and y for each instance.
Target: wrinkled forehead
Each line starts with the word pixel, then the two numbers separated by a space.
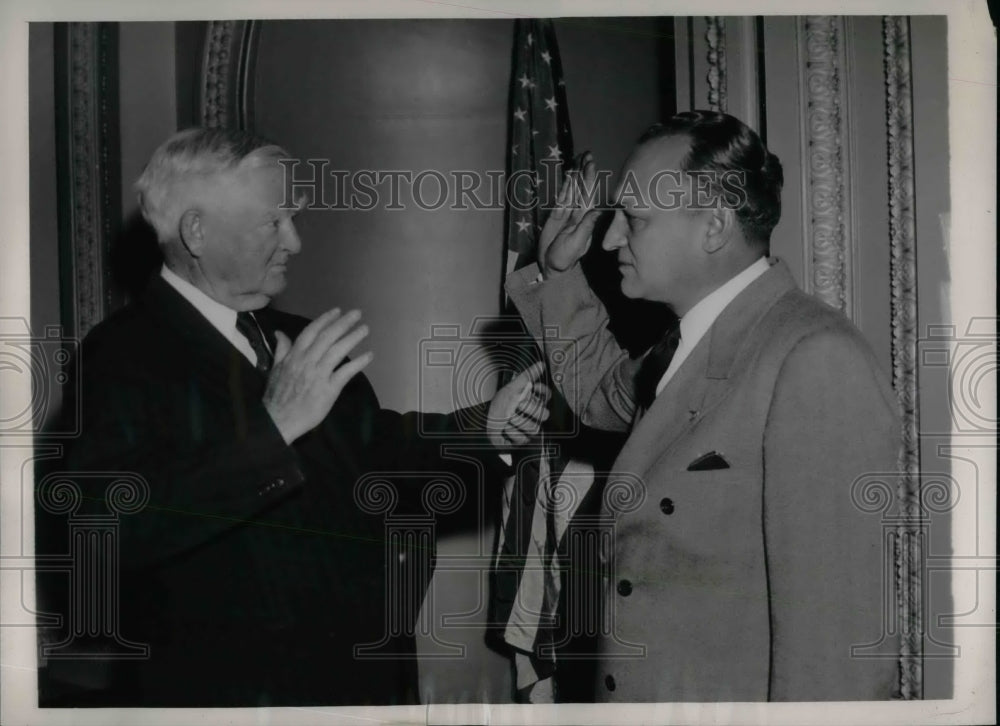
pixel 652 171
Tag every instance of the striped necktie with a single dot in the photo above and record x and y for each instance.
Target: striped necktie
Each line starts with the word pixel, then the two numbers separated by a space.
pixel 246 324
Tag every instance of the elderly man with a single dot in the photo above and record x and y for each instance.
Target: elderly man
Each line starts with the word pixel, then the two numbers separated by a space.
pixel 743 570
pixel 254 571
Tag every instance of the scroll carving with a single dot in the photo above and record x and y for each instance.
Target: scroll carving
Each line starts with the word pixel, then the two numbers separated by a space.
pixel 89 172
pixel 825 127
pixel 903 275
pixel 715 37
pixel 227 73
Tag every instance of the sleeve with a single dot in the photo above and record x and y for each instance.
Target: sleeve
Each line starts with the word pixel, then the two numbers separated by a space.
pixel 592 371
pixel 833 419
pixel 200 478
pixel 413 445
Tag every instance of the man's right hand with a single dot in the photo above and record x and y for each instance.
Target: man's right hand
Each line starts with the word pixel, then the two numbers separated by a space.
pixel 305 382
pixel 566 236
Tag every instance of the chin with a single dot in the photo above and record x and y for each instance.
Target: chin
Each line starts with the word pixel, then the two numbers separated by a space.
pixel 275 285
pixel 630 289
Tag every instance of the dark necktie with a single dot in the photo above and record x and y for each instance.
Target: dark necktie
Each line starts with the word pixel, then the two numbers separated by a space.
pixel 246 323
pixel 655 365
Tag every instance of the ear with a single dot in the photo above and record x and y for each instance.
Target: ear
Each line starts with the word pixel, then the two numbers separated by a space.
pixel 192 232
pixel 719 230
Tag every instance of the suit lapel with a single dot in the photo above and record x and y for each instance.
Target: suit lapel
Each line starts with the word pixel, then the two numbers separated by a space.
pixel 198 343
pixel 703 379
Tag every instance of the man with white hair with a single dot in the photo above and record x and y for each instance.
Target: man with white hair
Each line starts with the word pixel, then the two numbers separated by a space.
pixel 252 572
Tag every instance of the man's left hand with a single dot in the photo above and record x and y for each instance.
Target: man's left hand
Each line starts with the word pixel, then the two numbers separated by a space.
pixel 518 409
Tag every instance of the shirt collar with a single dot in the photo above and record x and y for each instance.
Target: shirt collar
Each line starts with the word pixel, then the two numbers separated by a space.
pixel 700 318
pixel 222 317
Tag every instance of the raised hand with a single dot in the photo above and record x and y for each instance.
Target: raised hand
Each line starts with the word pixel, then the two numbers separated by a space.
pixel 305 381
pixel 566 236
pixel 518 409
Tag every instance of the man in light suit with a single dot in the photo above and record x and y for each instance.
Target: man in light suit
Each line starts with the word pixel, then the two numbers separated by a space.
pixel 255 569
pixel 742 569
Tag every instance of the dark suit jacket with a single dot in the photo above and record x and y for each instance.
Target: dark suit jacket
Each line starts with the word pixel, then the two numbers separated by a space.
pixel 251 572
pixel 752 579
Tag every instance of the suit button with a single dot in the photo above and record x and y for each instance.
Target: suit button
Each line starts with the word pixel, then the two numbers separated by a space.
pixel 609 682
pixel 624 588
pixel 667 505
pixel 280 482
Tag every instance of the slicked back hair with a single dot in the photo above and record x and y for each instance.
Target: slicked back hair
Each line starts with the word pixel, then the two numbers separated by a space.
pixel 722 143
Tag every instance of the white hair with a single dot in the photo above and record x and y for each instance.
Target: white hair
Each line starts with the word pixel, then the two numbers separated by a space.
pixel 167 188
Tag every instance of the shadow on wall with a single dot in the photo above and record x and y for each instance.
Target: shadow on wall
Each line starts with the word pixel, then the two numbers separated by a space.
pixel 135 256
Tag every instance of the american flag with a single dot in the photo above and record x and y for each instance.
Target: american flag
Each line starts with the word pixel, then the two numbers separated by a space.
pixel 526 585
pixel 540 137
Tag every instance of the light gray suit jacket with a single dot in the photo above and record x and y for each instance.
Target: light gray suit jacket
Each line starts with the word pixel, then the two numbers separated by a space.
pixel 752 582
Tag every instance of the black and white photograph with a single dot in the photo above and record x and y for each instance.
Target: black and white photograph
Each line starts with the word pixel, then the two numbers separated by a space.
pixel 517 362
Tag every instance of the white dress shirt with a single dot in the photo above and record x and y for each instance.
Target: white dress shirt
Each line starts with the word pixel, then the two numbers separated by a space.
pixel 220 316
pixel 700 318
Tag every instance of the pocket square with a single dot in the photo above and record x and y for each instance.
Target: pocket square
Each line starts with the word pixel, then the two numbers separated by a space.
pixel 708 462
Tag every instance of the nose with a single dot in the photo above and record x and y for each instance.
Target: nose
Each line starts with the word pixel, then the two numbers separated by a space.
pixel 290 240
pixel 617 234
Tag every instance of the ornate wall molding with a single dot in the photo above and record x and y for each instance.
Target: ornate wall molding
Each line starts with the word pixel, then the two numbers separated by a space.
pixel 89 173
pixel 227 73
pixel 903 274
pixel 828 199
pixel 715 39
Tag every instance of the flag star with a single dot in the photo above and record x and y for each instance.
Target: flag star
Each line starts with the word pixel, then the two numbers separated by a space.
pixel 525 81
pixel 513 149
pixel 534 132
pixel 550 103
pixel 531 39
pixel 554 153
pixel 519 114
pixel 523 225
pixel 546 56
pixel 561 82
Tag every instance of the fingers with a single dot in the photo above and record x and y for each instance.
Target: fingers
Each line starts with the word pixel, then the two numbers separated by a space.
pixel 535 404
pixel 350 369
pixel 561 209
pixel 589 175
pixel 309 333
pixel 589 220
pixel 577 242
pixel 521 428
pixel 335 329
pixel 532 373
pixel 531 417
pixel 282 346
pixel 340 348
